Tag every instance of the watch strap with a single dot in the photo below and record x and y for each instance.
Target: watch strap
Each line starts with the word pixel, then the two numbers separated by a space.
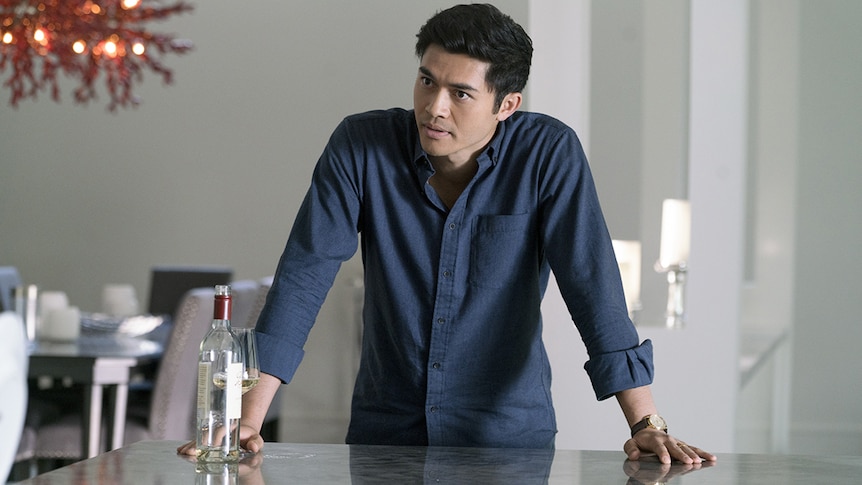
pixel 645 423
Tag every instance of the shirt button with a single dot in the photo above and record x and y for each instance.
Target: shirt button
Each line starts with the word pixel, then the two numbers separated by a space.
pixel 447 273
pixel 433 409
pixel 441 321
pixel 451 225
pixel 436 365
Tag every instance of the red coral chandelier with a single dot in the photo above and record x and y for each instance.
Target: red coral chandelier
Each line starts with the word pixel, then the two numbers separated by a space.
pixel 83 38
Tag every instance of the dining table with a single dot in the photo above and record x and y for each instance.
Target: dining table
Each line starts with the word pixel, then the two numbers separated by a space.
pixel 104 365
pixel 157 462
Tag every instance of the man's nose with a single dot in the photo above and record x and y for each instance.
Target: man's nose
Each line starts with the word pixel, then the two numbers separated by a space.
pixel 438 104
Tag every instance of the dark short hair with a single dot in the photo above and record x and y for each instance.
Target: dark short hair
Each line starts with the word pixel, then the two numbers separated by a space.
pixel 483 32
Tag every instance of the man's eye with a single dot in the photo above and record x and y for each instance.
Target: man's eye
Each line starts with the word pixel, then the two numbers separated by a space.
pixel 462 95
pixel 425 81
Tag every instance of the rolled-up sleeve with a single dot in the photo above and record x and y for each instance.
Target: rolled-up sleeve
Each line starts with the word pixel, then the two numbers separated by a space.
pixel 283 356
pixel 617 371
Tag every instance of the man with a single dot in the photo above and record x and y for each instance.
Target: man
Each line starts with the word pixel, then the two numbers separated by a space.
pixel 464 206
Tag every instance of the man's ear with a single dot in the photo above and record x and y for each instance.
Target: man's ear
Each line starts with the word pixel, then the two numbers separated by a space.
pixel 510 104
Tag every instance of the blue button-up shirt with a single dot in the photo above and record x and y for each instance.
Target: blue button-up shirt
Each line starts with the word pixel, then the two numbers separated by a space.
pixel 452 350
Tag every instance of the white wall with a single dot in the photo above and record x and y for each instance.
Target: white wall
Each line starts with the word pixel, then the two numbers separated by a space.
pixel 827 390
pixel 804 203
pixel 767 297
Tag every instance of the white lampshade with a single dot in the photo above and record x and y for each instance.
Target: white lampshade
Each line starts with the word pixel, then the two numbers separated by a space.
pixel 629 260
pixel 675 232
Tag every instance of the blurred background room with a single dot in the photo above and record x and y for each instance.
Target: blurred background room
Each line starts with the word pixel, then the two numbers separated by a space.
pixel 748 109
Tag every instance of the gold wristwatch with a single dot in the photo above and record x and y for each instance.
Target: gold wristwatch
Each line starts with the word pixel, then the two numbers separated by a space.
pixel 650 421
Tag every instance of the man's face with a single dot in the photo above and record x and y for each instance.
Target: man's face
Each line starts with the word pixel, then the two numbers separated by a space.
pixel 454 107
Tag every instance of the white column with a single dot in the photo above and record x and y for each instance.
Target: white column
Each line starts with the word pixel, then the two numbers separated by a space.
pixel 697 369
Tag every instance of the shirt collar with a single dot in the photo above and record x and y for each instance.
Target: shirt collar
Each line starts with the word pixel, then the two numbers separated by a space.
pixel 492 151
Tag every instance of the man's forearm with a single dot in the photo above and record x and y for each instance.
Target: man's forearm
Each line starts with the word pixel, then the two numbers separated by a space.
pixel 256 402
pixel 636 403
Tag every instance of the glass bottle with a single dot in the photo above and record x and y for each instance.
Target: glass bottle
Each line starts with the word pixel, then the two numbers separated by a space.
pixel 219 397
pixel 222 473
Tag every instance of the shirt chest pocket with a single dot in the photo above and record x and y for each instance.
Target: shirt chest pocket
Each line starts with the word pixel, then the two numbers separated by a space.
pixel 500 250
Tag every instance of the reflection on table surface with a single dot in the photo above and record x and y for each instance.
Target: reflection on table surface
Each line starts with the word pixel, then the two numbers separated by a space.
pixel 96 346
pixel 156 462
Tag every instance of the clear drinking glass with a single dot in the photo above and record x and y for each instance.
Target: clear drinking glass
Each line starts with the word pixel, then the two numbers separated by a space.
pixel 251 369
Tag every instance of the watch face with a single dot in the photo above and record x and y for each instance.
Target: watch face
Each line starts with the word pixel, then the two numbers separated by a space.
pixel 657 421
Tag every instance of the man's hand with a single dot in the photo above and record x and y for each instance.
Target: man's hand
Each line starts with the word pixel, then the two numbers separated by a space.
pixel 664 446
pixel 187 449
pixel 254 406
pixel 249 439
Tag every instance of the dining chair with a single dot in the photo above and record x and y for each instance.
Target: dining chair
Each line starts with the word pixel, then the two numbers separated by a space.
pixel 246 303
pixel 170 412
pixel 9 280
pixel 168 284
pixel 13 381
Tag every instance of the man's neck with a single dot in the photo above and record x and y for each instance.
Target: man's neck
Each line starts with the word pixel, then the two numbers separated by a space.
pixel 450 179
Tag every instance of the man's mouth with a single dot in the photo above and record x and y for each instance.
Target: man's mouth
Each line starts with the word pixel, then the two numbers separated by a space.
pixel 435 132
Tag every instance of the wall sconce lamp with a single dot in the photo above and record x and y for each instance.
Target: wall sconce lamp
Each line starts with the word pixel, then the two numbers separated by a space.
pixel 673 256
pixel 628 255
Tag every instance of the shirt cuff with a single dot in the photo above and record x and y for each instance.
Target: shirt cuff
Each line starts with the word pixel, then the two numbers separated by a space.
pixel 277 356
pixel 617 371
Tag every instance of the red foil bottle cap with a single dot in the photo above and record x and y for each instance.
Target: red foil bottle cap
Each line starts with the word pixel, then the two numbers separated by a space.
pixel 223 301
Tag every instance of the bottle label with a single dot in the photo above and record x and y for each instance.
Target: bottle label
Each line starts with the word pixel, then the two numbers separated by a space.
pixel 204 388
pixel 233 389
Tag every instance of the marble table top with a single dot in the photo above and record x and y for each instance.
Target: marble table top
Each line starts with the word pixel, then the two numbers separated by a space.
pixel 156 462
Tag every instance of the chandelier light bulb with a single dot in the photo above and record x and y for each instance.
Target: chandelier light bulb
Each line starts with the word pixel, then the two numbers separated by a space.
pixel 138 48
pixel 110 48
pixel 79 47
pixel 7 38
pixel 39 36
pixel 130 4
